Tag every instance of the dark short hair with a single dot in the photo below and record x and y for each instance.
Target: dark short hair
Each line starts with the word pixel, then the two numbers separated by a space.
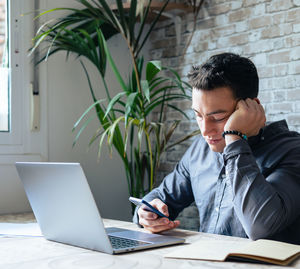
pixel 227 70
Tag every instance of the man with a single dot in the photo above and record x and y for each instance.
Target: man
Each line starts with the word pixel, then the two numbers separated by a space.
pixel 243 174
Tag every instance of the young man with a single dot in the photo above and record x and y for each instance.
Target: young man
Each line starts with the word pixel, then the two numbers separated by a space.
pixel 243 174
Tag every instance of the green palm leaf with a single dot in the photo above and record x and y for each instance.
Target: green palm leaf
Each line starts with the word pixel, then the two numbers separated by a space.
pixel 113 101
pixel 130 104
pixel 132 20
pixel 152 68
pixel 85 113
pixel 146 89
pixel 122 17
pixel 112 64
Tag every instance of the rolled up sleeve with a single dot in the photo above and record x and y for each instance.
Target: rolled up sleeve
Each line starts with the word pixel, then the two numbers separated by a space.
pixel 264 204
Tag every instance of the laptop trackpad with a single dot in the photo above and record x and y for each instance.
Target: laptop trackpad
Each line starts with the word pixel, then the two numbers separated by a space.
pixel 146 237
pixel 110 230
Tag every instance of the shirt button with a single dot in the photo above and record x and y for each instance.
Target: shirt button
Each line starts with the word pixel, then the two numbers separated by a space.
pixel 223 176
pixel 217 209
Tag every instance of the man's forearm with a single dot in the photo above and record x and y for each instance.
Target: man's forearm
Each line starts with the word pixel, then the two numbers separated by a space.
pixel 257 203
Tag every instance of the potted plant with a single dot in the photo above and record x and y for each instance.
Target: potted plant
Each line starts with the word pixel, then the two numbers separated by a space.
pixel 83 32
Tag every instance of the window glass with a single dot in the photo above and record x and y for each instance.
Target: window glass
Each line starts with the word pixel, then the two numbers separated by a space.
pixel 4 65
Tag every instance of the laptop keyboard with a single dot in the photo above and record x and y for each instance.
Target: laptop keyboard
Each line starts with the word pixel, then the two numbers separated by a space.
pixel 120 242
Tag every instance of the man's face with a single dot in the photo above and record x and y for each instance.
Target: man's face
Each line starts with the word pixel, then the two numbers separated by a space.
pixel 212 110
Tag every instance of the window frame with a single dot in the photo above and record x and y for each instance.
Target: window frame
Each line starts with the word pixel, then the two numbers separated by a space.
pixel 13 136
pixel 21 140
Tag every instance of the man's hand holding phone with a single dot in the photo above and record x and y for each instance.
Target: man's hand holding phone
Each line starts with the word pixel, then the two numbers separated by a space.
pixel 151 221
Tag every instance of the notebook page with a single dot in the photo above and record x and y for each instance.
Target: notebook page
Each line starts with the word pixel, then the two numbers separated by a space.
pixel 270 249
pixel 206 250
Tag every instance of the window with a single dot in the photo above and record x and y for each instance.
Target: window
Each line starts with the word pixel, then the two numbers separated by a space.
pixel 17 29
pixel 11 85
pixel 4 87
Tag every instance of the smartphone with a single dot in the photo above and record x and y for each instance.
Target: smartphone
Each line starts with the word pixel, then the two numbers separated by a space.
pixel 140 202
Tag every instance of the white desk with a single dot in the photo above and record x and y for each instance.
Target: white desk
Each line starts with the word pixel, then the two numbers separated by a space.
pixel 38 253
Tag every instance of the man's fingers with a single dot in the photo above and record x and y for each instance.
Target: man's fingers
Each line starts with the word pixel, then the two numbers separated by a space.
pixel 161 228
pixel 154 222
pixel 160 206
pixel 240 103
pixel 143 213
pixel 251 104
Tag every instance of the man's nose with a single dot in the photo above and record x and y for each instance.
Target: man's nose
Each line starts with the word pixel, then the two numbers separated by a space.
pixel 206 127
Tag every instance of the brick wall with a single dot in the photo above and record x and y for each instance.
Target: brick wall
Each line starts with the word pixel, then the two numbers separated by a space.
pixel 2 27
pixel 268 32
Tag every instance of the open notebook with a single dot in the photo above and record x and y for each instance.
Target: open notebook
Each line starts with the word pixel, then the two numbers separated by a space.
pixel 263 250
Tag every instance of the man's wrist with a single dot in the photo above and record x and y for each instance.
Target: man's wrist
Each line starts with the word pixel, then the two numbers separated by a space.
pixel 233 135
pixel 235 147
pixel 231 138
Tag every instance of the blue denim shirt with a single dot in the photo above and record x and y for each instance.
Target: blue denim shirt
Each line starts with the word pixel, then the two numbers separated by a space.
pixel 252 189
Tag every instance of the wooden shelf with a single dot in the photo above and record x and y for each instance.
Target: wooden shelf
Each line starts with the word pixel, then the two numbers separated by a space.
pixel 156 5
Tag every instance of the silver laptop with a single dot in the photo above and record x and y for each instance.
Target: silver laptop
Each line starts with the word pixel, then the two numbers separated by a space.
pixel 66 211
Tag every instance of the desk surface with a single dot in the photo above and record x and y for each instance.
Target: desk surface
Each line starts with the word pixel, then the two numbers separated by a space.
pixel 38 253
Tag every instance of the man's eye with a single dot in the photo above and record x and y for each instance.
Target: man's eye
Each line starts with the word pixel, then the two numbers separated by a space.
pixel 219 120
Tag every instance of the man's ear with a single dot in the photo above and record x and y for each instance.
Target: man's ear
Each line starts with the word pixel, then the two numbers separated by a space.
pixel 257 100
